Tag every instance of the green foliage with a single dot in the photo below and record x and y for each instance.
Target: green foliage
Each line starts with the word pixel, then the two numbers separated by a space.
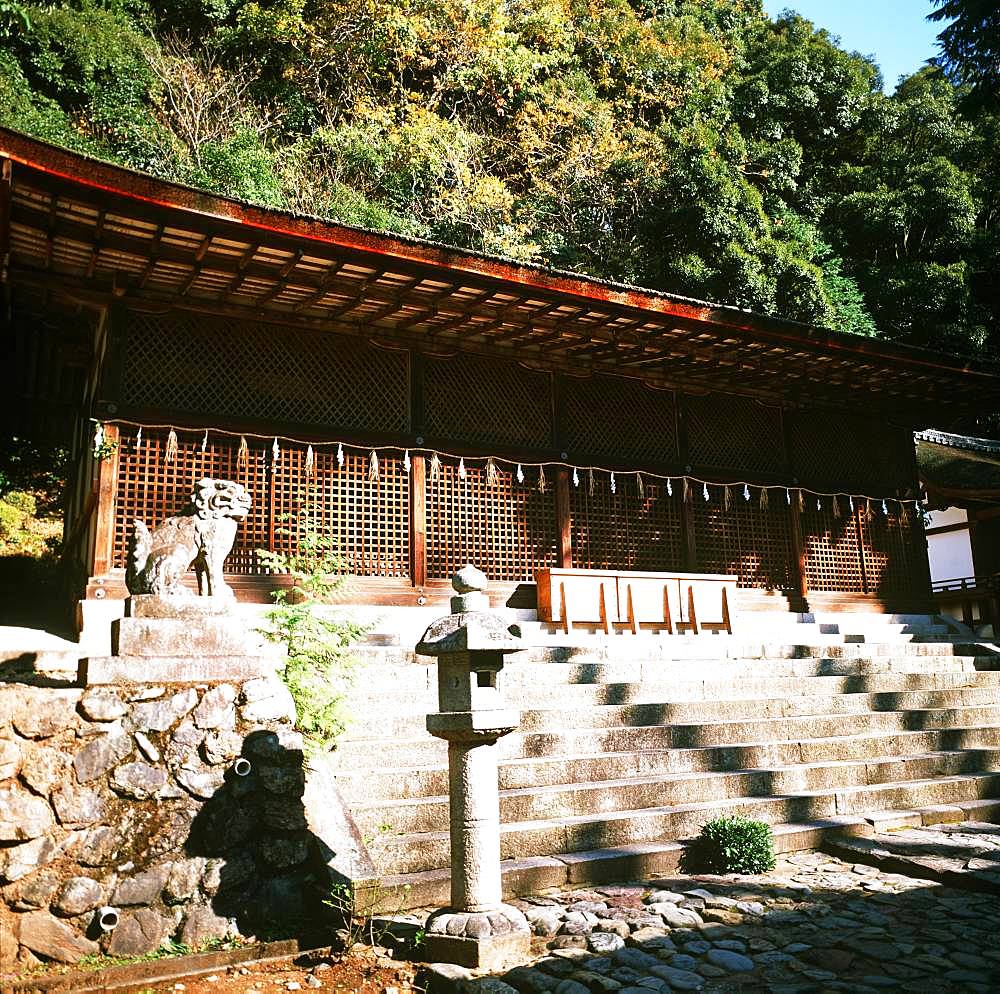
pixel 694 146
pixel 319 666
pixel 970 48
pixel 731 845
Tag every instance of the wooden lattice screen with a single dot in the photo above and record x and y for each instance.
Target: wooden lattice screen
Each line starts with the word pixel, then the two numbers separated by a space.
pixel 483 401
pixel 891 549
pixel 508 530
pixel 734 433
pixel 839 452
pixel 368 522
pixel 619 418
pixel 832 548
pixel 263 372
pixel 622 530
pixel 754 544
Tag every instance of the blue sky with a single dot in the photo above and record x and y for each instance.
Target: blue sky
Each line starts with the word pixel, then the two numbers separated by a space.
pixel 894 31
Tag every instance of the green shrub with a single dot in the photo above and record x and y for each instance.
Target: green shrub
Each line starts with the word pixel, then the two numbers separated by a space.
pixel 319 667
pixel 731 845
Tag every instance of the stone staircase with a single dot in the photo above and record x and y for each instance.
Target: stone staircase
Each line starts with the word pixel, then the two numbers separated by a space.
pixel 628 744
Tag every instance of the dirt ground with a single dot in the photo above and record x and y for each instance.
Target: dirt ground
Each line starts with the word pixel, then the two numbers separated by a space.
pixel 361 973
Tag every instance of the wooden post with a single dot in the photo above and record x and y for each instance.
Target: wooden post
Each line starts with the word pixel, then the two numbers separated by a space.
pixel 798 563
pixel 6 172
pixel 564 521
pixel 107 486
pixel 418 521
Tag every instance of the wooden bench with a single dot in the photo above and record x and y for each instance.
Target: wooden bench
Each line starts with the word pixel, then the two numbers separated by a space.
pixel 619 599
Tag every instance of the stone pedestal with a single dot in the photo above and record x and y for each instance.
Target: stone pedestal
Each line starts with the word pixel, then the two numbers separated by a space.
pixel 478 930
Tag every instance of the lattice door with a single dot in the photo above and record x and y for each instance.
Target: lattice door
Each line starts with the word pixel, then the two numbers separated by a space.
pixel 734 433
pixel 894 563
pixel 623 530
pixel 853 454
pixel 621 418
pixel 272 374
pixel 507 530
pixel 368 522
pixel 485 401
pixel 832 550
pixel 754 544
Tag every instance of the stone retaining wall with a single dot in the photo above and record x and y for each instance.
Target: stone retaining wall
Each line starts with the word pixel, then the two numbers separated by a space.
pixel 127 797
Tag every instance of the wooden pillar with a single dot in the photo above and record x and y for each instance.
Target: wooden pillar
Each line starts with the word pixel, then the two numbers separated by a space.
pixel 564 521
pixel 418 521
pixel 688 545
pixel 6 172
pixel 798 563
pixel 107 487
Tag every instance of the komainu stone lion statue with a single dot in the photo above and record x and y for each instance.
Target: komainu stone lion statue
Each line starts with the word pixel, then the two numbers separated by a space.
pixel 200 536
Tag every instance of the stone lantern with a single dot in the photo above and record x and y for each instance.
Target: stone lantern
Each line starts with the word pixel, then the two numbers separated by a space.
pixel 478 930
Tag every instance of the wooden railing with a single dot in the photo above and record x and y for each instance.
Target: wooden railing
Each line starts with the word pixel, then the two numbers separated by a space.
pixel 978 597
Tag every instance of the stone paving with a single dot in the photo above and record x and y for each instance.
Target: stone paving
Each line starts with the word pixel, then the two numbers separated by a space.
pixel 816 923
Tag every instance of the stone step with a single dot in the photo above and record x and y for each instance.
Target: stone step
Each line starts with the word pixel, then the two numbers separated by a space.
pixel 653 711
pixel 397 854
pixel 368 786
pixel 639 861
pixel 227 635
pixel 590 797
pixel 413 690
pixel 424 750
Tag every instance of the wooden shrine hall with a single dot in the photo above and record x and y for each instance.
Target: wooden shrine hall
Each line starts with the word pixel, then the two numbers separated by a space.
pixel 425 406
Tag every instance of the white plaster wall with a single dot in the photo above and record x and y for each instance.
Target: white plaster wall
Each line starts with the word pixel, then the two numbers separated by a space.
pixel 950 553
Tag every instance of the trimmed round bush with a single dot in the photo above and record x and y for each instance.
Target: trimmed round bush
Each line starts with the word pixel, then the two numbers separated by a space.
pixel 731 845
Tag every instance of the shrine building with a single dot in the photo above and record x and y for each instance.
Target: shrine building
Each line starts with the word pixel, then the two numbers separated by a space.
pixel 426 406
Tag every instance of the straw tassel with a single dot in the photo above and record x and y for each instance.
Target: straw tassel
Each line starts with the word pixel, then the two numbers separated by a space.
pixel 310 461
pixel 640 486
pixel 373 467
pixel 687 491
pixel 542 483
pixel 835 506
pixel 904 514
pixel 435 466
pixel 727 498
pixel 764 498
pixel 243 453
pixel 590 482
pixel 170 453
pixel 492 475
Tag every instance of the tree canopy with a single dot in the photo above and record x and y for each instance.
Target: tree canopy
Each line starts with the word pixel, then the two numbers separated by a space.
pixel 695 146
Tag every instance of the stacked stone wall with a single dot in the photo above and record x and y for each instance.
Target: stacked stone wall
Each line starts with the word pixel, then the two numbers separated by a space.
pixel 128 797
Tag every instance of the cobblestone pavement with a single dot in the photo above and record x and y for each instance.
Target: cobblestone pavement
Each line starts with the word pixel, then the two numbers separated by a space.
pixel 816 923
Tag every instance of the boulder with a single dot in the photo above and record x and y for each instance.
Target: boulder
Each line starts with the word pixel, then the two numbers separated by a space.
pixel 141 888
pixel 160 715
pixel 77 896
pixel 19 861
pixel 216 708
pixel 10 759
pixel 183 879
pixel 139 932
pixel 203 925
pixel 43 767
pixel 103 704
pixel 23 816
pixel 139 781
pixel 44 934
pixel 38 717
pixel 99 756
